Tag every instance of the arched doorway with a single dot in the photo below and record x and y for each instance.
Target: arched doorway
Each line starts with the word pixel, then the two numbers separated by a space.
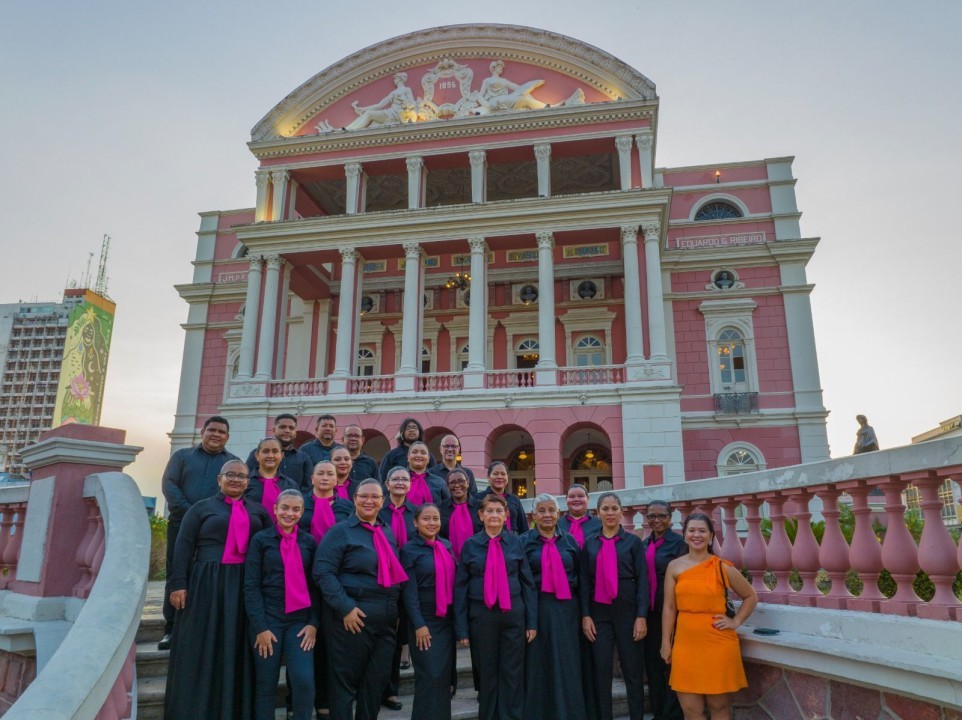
pixel 591 467
pixel 514 446
pixel 521 472
pixel 375 445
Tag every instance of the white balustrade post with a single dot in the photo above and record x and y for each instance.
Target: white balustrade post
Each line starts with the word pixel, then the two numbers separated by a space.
pixel 352 172
pixel 542 154
pixel 633 327
pixel 245 365
pixel 265 348
pixel 547 365
pixel 262 178
pixel 646 149
pixel 415 167
pixel 656 301
pixel 477 314
pixel 279 205
pixel 478 175
pixel 411 322
pixel 624 143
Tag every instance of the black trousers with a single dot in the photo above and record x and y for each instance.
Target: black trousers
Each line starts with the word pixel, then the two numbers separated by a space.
pixel 614 627
pixel 360 665
pixel 664 701
pixel 432 670
pixel 402 638
pixel 497 653
pixel 173 530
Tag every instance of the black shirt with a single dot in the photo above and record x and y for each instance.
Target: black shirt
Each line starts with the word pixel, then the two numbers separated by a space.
pixel 442 471
pixel 632 573
pixel 469 580
pixel 203 535
pixel 398 457
pixel 420 591
pixel 591 526
pixel 191 476
pixel 364 467
pixel 673 547
pixel 264 580
pixel 346 562
pixel 255 489
pixel 568 549
pixel 295 464
pixel 446 508
pixel 341 507
pixel 317 452
pixel 519 521
pixel 386 515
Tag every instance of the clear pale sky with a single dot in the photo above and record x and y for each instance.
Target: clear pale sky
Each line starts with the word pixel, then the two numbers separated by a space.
pixel 130 118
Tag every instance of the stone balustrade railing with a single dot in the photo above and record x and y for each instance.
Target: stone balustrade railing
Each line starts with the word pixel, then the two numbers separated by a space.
pixel 371 384
pixel 510 379
pixel 297 388
pixel 13 512
pixel 440 382
pixel 592 375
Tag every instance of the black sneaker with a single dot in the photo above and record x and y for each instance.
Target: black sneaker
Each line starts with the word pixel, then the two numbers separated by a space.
pixel 164 643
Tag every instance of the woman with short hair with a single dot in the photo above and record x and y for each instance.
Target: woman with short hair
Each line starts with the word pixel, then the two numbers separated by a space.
pixel 553 657
pixel 496 611
pixel 459 513
pixel 267 481
pixel 343 465
pixel 577 520
pixel 498 483
pixel 425 486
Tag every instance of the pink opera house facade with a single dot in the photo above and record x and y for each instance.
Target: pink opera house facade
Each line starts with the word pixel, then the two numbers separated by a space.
pixel 467 225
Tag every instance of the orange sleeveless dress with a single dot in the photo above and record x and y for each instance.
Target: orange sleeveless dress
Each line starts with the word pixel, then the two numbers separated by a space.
pixel 704 661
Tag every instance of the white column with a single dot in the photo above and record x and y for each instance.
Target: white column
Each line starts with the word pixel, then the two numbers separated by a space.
pixel 261 178
pixel 415 167
pixel 323 322
pixel 633 329
pixel 477 313
pixel 623 144
pixel 280 352
pixel 656 298
pixel 353 199
pixel 185 418
pixel 542 154
pixel 265 348
pixel 479 177
pixel 546 319
pixel 646 158
pixel 413 310
pixel 245 367
pixel 343 362
pixel 279 206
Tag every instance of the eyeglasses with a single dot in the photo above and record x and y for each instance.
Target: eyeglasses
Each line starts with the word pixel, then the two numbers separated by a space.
pixel 457 481
pixel 657 516
pixel 236 476
pixel 366 498
pixel 353 435
pixel 399 480
pixel 449 447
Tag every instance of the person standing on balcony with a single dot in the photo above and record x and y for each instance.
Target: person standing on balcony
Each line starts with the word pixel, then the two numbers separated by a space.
pixel 295 464
pixel 425 486
pixel 661 547
pixel 266 482
pixel 459 514
pixel 577 521
pixel 496 612
pixel 498 481
pixel 613 590
pixel 428 603
pixel 698 638
pixel 282 610
pixel 450 459
pixel 211 667
pixel 344 465
pixel 865 440
pixel 323 444
pixel 323 508
pixel 191 475
pixel 553 657
pixel 364 466
pixel 358 571
pixel 409 432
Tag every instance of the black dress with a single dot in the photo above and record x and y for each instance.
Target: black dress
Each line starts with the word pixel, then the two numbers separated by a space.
pixel 553 689
pixel 211 663
pixel 664 701
pixel 433 667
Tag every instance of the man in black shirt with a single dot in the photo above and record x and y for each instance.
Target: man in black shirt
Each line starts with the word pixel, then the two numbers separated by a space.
pixel 364 465
pixel 295 464
pixel 323 443
pixel 191 476
pixel 450 459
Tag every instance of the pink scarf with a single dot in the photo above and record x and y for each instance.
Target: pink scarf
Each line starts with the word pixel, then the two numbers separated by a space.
pixel 238 533
pixel 460 527
pixel 269 498
pixel 496 588
pixel 389 570
pixel 443 577
pixel 554 579
pixel 342 490
pixel 398 526
pixel 606 571
pixel 650 551
pixel 323 518
pixel 296 595
pixel 420 493
pixel 578 532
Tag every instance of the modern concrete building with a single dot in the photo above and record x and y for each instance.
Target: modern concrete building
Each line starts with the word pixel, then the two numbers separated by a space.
pixel 469 225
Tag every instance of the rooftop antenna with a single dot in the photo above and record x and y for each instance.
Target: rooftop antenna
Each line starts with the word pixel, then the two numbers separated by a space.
pixel 101 287
pixel 86 278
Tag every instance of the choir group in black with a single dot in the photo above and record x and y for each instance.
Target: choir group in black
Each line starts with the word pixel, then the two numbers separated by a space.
pixel 293 557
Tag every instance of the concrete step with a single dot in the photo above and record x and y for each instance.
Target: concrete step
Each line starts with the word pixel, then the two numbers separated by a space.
pixel 151 629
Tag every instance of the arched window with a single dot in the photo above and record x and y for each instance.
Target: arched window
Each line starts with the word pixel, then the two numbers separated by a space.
pixel 731 359
pixel 425 361
pixel 527 354
pixel 739 458
pixel 365 362
pixel 464 356
pixel 589 351
pixel 718 210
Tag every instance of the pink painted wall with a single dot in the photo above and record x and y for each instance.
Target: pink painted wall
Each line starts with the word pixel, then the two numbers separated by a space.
pixel 762 276
pixel 779 445
pixel 757 200
pixel 709 229
pixel 212 374
pixel 703 176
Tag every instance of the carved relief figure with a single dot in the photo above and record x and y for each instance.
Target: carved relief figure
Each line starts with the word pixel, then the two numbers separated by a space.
pixel 398 106
pixel 498 93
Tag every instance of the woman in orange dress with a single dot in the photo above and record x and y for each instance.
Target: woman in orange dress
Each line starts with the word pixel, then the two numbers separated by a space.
pixel 706 662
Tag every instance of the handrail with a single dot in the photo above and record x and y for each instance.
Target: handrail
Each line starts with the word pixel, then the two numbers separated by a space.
pixel 81 674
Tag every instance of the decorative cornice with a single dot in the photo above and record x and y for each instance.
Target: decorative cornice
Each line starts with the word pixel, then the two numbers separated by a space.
pixel 586 63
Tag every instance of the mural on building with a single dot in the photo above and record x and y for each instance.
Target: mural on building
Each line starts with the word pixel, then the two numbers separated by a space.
pixel 84 368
